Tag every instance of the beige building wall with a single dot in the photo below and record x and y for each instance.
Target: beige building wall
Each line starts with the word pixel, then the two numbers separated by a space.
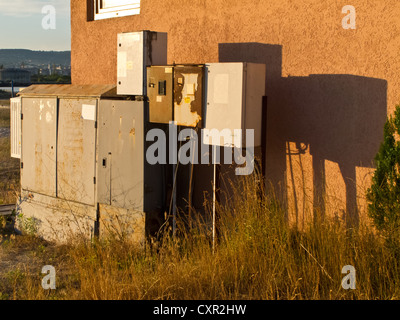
pixel 329 89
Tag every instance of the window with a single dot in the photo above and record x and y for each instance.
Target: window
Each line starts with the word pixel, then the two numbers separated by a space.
pixel 104 9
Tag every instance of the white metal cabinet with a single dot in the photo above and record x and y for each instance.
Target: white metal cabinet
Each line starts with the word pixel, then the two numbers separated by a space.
pixel 234 94
pixel 137 51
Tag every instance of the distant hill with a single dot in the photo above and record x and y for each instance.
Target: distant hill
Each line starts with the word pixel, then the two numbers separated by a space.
pixel 13 58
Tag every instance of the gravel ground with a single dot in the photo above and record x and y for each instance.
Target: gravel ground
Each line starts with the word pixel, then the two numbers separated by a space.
pixel 4 132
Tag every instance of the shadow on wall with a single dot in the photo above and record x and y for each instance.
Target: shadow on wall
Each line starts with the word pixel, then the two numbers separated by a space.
pixel 339 118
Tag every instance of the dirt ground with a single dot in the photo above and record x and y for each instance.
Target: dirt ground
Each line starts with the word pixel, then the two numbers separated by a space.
pixel 4 132
pixel 4 103
pixel 13 259
pixel 22 253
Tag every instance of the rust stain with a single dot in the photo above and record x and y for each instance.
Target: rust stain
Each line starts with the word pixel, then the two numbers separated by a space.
pixel 195 100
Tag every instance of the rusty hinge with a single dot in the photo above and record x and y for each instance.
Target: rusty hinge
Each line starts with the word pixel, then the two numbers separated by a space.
pixel 22 116
pixel 22 165
pixel 94 180
pixel 95 124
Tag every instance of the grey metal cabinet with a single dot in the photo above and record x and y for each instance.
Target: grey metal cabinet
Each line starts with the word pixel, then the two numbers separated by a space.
pixel 76 149
pixel 87 145
pixel 121 154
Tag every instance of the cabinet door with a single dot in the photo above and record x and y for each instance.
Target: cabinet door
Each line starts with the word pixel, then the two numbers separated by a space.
pixel 225 101
pixel 121 154
pixel 76 162
pixel 160 92
pixel 188 95
pixel 39 143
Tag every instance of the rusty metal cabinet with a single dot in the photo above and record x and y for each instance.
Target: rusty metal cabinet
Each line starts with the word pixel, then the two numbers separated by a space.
pixel 176 94
pixel 160 88
pixel 188 95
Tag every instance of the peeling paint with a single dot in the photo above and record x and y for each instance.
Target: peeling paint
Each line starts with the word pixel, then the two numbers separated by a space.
pixel 188 95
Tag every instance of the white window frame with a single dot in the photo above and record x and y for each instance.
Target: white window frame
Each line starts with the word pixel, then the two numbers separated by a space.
pixel 117 11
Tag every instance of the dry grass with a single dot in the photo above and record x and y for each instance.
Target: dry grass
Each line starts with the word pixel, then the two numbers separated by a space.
pixel 258 256
pixel 9 167
pixel 4 117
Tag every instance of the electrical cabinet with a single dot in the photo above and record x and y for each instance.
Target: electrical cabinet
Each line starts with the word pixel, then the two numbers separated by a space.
pixel 59 137
pixel 136 51
pixel 176 94
pixel 82 144
pixel 126 179
pixel 160 92
pixel 83 161
pixel 234 102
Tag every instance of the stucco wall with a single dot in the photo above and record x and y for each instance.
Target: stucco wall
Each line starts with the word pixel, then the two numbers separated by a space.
pixel 323 129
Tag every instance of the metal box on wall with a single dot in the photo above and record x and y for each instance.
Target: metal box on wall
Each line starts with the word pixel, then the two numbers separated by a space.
pixel 176 94
pixel 234 101
pixel 136 51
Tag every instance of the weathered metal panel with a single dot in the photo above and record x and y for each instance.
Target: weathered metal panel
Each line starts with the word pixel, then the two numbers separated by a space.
pixel 66 90
pixel 160 93
pixel 188 95
pixel 39 134
pixel 76 163
pixel 121 154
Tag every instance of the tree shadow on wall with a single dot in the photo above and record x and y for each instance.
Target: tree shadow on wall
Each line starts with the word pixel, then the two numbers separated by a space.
pixel 336 117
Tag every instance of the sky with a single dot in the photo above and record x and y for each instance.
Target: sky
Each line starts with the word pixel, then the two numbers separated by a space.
pixel 21 25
